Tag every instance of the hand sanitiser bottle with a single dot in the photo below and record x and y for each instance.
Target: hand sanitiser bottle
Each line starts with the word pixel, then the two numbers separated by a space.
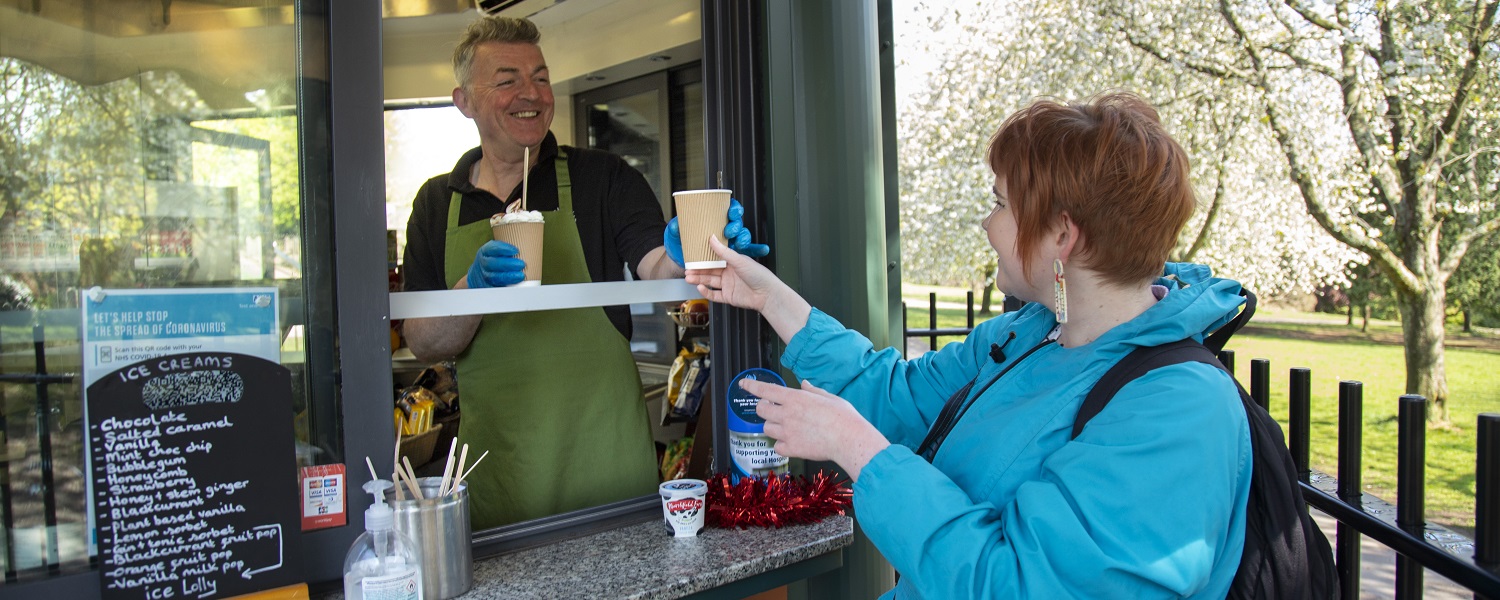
pixel 382 564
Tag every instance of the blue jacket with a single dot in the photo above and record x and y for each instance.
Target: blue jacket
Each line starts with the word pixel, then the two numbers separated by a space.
pixel 1147 502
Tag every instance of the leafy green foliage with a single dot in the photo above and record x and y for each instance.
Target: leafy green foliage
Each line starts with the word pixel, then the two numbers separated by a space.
pixel 1475 287
pixel 105 176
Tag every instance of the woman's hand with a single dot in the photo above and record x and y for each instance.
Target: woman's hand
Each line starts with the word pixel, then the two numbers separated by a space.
pixel 748 284
pixel 814 424
pixel 742 282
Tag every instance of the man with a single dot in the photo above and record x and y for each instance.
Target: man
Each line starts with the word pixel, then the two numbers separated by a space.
pixel 554 394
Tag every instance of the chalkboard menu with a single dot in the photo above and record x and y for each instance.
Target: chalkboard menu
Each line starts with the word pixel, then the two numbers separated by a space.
pixel 195 485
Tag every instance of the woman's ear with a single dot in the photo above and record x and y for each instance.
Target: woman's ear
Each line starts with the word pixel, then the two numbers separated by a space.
pixel 1067 237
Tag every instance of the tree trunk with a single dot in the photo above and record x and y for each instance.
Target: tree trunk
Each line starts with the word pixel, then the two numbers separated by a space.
pixel 984 303
pixel 1364 326
pixel 1422 319
pixel 1350 322
pixel 1468 327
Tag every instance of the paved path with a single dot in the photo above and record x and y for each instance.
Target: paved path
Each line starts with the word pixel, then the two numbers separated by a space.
pixel 1377 570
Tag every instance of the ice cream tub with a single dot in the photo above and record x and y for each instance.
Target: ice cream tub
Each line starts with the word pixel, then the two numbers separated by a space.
pixel 684 505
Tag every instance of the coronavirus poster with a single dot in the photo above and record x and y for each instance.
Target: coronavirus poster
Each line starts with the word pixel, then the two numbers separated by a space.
pixel 123 326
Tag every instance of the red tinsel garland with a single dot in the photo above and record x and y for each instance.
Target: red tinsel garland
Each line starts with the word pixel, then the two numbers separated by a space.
pixel 775 500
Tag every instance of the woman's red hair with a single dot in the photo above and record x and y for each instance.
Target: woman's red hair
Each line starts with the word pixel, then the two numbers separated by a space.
pixel 1111 167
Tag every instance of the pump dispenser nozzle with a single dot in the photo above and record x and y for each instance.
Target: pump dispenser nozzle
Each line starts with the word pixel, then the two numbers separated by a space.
pixel 379 516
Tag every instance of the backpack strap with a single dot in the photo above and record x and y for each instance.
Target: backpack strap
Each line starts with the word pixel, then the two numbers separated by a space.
pixel 944 421
pixel 1216 340
pixel 1139 362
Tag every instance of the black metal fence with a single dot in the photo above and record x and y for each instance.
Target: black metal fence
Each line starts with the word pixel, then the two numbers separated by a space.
pixel 42 464
pixel 1473 564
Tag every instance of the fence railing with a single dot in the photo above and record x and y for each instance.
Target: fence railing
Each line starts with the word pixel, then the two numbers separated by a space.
pixel 42 380
pixel 1402 527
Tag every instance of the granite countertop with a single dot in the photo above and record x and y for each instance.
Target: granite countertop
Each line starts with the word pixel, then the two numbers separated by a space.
pixel 643 562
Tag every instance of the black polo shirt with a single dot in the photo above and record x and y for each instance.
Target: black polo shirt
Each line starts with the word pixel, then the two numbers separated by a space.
pixel 619 220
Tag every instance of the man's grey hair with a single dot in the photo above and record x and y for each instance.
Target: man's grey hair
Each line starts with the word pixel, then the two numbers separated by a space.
pixel 507 30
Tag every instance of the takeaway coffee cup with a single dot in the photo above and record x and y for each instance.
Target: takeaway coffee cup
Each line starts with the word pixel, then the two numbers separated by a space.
pixel 701 214
pixel 522 229
pixel 439 525
pixel 684 505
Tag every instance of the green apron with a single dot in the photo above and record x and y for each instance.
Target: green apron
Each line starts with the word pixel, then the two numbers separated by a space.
pixel 553 395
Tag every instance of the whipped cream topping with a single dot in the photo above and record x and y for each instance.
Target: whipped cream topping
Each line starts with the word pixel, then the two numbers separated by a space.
pixel 520 216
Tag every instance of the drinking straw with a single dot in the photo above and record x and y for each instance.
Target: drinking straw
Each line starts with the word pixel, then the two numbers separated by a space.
pixel 372 468
pixel 525 173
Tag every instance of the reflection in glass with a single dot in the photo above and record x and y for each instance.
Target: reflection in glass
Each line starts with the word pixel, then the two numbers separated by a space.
pixel 122 166
pixel 632 128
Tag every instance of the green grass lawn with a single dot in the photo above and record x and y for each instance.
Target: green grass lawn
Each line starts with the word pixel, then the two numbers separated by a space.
pixel 1353 356
pixel 1450 450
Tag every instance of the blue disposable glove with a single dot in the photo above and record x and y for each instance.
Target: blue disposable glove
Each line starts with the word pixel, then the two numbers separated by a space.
pixel 734 232
pixel 738 236
pixel 496 265
pixel 671 239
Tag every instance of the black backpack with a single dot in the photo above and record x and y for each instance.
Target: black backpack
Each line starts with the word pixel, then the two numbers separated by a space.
pixel 1286 555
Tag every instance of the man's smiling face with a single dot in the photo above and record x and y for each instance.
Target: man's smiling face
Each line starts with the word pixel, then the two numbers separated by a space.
pixel 509 95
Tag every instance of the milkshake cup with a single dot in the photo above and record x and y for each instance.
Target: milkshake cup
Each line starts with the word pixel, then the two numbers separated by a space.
pixel 522 229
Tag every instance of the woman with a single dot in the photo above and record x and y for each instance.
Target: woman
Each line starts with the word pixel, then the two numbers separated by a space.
pixel 1149 500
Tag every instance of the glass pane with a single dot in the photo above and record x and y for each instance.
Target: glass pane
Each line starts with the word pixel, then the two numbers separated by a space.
pixel 586 44
pixel 687 150
pixel 144 145
pixel 632 128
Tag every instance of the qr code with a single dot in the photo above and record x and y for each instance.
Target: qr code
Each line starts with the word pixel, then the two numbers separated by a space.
pixel 191 388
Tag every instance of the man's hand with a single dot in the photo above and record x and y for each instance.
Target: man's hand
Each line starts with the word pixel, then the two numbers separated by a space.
pixel 496 265
pixel 734 232
pixel 738 236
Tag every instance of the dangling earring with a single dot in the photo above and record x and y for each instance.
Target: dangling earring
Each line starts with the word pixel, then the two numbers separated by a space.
pixel 1061 289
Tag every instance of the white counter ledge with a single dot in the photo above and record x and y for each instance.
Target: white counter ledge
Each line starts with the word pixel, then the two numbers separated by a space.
pixel 643 562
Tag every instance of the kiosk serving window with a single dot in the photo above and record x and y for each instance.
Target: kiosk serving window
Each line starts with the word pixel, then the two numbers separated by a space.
pixel 215 146
pixel 624 79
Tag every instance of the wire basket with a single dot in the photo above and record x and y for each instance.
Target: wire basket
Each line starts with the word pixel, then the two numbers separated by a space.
pixel 689 319
pixel 419 448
